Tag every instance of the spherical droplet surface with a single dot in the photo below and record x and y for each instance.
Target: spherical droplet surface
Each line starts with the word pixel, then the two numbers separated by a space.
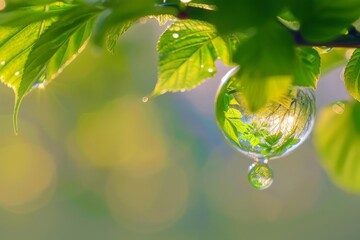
pixel 260 175
pixel 275 130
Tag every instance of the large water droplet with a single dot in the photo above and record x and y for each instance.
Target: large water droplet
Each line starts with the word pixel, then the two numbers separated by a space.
pixel 260 175
pixel 274 130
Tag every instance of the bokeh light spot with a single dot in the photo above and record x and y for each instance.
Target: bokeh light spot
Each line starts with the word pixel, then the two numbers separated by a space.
pixel 26 171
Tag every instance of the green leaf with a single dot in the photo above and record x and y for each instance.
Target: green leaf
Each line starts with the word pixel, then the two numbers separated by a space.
pixel 113 34
pixel 120 13
pixel 289 20
pixel 324 20
pixel 273 139
pixel 307 69
pixel 266 66
pixel 245 14
pixel 187 53
pixel 337 139
pixel 36 53
pixel 231 131
pixel 28 15
pixel 352 75
pixel 163 18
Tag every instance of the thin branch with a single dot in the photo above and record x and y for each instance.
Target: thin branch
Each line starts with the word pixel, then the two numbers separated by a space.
pixel 350 40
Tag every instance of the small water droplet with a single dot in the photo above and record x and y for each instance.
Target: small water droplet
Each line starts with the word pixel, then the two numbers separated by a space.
pixel 145 99
pixel 17 73
pixel 260 175
pixel 176 35
pixel 210 70
pixel 163 91
pixel 2 63
pixel 185 1
pixel 338 108
pixel 202 66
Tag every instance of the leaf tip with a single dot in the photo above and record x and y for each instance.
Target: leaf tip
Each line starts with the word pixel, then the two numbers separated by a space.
pixel 15 115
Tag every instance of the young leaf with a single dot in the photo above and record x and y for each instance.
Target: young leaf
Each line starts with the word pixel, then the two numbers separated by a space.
pixel 37 52
pixel 187 53
pixel 15 46
pixel 324 20
pixel 245 14
pixel 307 68
pixel 352 75
pixel 119 13
pixel 337 139
pixel 266 66
pixel 54 50
pixel 28 15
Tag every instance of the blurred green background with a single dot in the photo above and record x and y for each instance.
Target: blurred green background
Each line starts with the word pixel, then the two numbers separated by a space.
pixel 94 162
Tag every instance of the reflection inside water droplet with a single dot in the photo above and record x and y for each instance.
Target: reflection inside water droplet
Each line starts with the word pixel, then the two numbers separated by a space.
pixel 275 130
pixel 260 175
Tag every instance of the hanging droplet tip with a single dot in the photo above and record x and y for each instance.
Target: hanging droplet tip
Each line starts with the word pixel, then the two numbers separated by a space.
pixel 260 175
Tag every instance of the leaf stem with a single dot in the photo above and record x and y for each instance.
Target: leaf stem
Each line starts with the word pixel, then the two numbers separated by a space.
pixel 42 26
